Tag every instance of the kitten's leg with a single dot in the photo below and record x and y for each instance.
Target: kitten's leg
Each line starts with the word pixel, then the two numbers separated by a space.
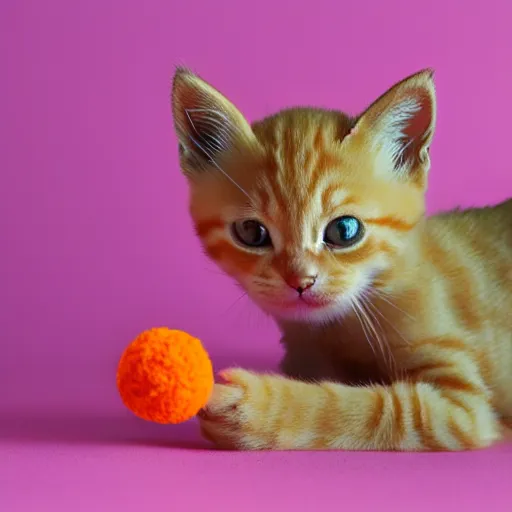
pixel 444 406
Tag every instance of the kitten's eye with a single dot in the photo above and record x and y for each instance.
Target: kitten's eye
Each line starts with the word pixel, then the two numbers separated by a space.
pixel 251 233
pixel 343 232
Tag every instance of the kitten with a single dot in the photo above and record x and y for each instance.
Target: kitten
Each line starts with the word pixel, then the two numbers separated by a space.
pixel 396 326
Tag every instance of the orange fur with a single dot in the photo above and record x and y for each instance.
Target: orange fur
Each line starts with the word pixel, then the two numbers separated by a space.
pixel 399 341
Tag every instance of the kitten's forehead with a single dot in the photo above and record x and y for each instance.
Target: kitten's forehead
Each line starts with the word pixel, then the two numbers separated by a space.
pixel 299 142
pixel 299 179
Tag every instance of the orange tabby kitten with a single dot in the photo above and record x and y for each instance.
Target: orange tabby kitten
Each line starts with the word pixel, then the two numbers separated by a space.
pixel 396 326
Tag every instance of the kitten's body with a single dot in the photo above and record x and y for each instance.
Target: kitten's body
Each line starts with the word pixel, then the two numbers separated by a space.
pixel 400 341
pixel 465 262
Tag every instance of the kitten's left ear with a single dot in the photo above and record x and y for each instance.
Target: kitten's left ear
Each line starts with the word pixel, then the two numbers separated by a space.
pixel 399 126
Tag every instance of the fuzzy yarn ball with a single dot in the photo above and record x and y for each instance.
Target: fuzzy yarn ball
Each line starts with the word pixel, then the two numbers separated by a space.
pixel 165 376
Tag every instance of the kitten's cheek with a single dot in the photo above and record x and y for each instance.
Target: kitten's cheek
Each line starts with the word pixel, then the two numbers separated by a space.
pixel 245 282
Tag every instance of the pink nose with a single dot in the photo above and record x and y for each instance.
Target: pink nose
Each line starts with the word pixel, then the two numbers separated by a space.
pixel 300 283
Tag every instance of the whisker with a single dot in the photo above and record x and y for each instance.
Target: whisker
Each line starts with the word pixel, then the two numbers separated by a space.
pixel 364 306
pixel 258 280
pixel 377 310
pixel 266 286
pixel 384 296
pixel 212 160
pixel 236 301
pixel 372 309
pixel 355 309
pixel 371 326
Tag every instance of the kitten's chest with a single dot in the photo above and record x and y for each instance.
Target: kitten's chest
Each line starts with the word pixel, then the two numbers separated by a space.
pixel 358 356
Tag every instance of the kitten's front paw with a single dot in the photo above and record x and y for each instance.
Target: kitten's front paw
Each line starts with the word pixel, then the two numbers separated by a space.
pixel 237 414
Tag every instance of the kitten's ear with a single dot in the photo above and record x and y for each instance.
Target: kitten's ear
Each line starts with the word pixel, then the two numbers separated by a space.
pixel 399 126
pixel 208 126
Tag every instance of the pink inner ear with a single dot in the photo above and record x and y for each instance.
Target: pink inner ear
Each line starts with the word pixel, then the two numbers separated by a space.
pixel 353 131
pixel 420 123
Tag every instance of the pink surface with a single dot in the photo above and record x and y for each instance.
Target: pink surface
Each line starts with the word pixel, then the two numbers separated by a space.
pixel 96 242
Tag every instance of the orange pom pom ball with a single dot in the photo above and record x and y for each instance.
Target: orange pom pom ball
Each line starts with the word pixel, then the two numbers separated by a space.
pixel 165 376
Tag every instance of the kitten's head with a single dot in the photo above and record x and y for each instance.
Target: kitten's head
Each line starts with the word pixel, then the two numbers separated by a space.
pixel 308 208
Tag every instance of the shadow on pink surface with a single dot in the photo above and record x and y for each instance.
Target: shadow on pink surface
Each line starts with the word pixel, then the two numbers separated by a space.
pixel 102 430
pixel 116 430
pixel 61 421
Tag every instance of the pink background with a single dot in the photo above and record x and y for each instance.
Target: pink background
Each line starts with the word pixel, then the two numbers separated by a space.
pixel 96 244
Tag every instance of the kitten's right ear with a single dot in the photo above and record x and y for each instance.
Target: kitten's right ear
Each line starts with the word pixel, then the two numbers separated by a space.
pixel 208 126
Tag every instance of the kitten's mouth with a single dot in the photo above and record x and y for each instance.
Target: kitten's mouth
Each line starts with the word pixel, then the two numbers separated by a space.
pixel 312 302
pixel 307 308
pixel 302 303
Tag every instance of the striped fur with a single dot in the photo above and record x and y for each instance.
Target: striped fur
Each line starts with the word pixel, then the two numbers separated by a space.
pixel 403 342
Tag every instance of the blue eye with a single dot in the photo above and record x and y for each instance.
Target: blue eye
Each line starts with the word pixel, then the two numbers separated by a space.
pixel 343 232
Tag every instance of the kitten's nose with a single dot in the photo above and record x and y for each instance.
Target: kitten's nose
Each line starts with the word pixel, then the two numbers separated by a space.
pixel 300 283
